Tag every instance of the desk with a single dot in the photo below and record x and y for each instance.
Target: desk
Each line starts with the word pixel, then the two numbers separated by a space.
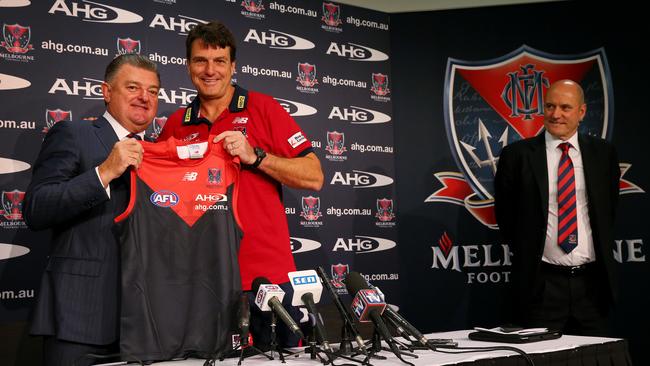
pixel 566 350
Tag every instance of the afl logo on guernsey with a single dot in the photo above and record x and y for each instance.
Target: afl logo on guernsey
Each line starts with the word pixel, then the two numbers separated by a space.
pixel 164 198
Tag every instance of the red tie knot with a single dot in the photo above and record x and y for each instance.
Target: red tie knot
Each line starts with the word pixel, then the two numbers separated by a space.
pixel 565 146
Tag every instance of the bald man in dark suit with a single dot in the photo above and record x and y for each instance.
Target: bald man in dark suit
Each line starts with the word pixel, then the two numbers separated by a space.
pixel 556 197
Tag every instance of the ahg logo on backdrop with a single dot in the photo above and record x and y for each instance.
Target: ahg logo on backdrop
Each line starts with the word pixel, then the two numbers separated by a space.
pixel 16 41
pixel 302 245
pixel 485 262
pixel 356 52
pixel 90 89
pixel 53 116
pixel 12 209
pixel 358 115
pixel 279 40
pixel 182 96
pixel 8 166
pixel 9 82
pixel 296 109
pixel 336 146
pixel 95 12
pixel 13 3
pixel 361 179
pixel 363 244
pixel 183 25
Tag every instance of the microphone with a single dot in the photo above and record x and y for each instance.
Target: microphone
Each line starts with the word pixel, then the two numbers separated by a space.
pixel 399 321
pixel 307 290
pixel 368 304
pixel 269 298
pixel 347 318
pixel 244 315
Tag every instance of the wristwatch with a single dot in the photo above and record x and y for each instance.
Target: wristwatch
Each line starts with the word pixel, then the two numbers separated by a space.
pixel 261 154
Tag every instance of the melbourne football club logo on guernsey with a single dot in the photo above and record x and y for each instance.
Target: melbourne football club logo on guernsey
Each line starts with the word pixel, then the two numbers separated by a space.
pixel 127 45
pixel 335 146
pixel 380 88
pixel 155 128
pixel 307 78
pixel 12 210
pixel 53 116
pixel 385 213
pixel 331 18
pixel 311 212
pixel 214 177
pixel 253 9
pixel 339 273
pixel 15 41
pixel 492 103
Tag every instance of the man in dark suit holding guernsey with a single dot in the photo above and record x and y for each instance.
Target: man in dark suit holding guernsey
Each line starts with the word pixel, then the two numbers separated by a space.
pixel 77 189
pixel 555 197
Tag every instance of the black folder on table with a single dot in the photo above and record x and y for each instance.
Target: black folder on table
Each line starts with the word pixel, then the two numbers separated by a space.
pixel 513 337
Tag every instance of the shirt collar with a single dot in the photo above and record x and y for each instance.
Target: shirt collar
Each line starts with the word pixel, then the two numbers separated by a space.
pixel 553 142
pixel 120 131
pixel 193 116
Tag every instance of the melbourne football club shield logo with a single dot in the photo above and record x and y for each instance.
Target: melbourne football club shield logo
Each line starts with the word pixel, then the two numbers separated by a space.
pixel 339 274
pixel 335 143
pixel 307 74
pixel 128 45
pixel 385 209
pixel 254 6
pixel 331 14
pixel 12 204
pixel 311 208
pixel 380 84
pixel 491 103
pixel 16 38
pixel 53 116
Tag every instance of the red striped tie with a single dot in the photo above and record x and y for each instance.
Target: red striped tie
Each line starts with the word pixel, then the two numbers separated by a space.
pixel 567 228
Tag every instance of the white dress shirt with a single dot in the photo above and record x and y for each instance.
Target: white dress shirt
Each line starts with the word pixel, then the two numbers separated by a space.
pixel 121 133
pixel 553 253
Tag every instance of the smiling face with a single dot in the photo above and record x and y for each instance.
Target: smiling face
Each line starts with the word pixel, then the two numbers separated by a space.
pixel 564 108
pixel 211 70
pixel 132 97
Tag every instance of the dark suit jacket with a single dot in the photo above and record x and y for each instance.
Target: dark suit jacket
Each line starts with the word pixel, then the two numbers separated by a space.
pixel 521 200
pixel 79 294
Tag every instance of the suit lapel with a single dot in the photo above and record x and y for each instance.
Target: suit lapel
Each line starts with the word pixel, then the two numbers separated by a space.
pixel 538 164
pixel 105 134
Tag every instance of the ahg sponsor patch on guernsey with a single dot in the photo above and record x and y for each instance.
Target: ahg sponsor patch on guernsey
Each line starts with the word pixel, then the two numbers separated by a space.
pixel 164 198
pixel 297 139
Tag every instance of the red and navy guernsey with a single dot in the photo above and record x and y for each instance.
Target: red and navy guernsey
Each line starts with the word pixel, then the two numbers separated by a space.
pixel 179 240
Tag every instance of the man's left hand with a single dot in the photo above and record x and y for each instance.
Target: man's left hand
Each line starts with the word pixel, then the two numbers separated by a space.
pixel 236 144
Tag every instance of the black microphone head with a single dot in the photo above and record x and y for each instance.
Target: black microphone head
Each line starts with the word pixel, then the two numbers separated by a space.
pixel 355 282
pixel 258 282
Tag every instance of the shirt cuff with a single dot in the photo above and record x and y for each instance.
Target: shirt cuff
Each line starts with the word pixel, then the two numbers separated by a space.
pixel 108 187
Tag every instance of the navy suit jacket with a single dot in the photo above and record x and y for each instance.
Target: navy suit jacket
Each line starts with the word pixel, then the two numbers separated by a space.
pixel 521 204
pixel 79 294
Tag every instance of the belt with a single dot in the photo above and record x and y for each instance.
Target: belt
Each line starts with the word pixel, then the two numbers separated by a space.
pixel 567 270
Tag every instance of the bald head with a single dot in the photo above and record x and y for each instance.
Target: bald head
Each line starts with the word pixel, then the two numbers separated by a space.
pixel 569 86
